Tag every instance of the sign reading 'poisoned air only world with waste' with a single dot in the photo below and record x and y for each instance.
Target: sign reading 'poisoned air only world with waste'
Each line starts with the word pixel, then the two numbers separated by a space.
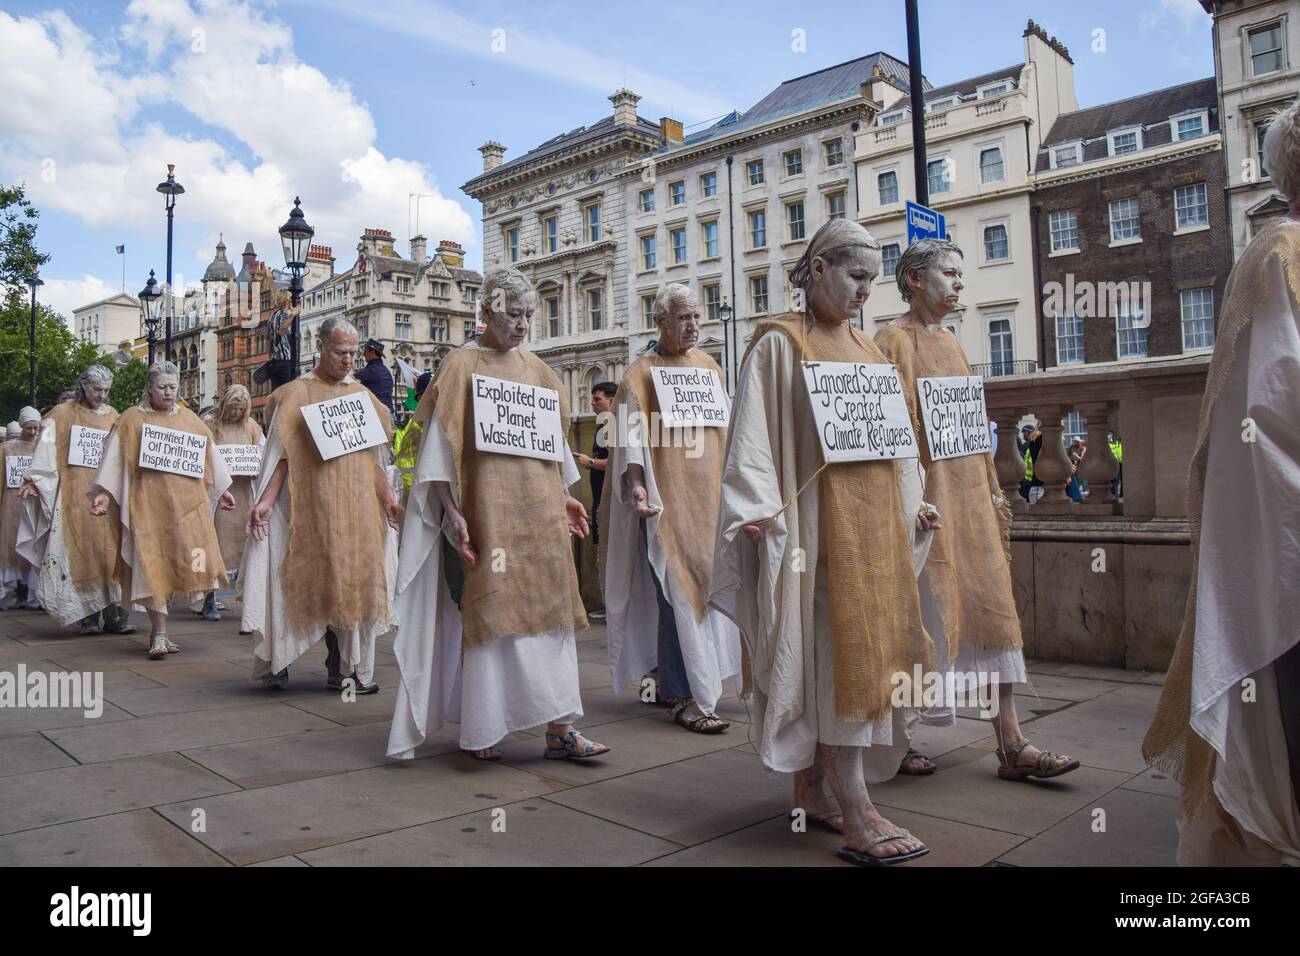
pixel 860 411
pixel 241 459
pixel 953 416
pixel 343 425
pixel 511 418
pixel 172 450
pixel 689 396
pixel 85 446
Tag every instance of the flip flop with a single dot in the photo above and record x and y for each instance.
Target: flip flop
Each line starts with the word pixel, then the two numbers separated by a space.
pixel 862 858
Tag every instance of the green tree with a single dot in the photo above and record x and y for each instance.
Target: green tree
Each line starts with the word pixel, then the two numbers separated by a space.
pixel 18 255
pixel 59 356
pixel 128 384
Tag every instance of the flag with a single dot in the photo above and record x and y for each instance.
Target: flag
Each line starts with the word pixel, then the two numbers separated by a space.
pixel 409 373
pixel 121 250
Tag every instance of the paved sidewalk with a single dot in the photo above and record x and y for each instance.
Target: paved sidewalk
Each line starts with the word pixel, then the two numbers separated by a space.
pixel 193 763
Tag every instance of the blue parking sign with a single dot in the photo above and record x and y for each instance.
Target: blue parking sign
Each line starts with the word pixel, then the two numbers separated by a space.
pixel 924 223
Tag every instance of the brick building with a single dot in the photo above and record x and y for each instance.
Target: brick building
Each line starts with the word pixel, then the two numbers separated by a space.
pixel 243 344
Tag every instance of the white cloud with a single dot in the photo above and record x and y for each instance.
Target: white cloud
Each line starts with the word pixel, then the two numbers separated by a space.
pixel 86 144
pixel 64 295
pixel 1188 13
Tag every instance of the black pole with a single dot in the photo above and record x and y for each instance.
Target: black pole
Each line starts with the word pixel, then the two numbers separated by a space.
pixel 167 342
pixel 731 230
pixel 295 295
pixel 31 366
pixel 918 103
pixel 152 338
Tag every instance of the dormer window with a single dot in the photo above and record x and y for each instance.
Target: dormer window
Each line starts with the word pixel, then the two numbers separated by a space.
pixel 1188 125
pixel 889 119
pixel 1066 154
pixel 943 104
pixel 1124 141
pixel 993 89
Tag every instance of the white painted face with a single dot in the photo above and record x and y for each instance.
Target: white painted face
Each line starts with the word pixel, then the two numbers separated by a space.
pixel 680 330
pixel 337 355
pixel 31 430
pixel 508 327
pixel 236 409
pixel 939 287
pixel 839 291
pixel 96 392
pixel 162 392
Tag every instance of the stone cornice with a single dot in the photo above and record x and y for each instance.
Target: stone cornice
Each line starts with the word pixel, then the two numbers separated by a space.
pixel 1008 193
pixel 1164 154
pixel 619 140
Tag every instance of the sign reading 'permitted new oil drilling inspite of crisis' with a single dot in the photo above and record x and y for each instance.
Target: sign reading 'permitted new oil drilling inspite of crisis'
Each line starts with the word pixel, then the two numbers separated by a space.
pixel 86 446
pixel 953 416
pixel 511 418
pixel 241 459
pixel 689 397
pixel 172 450
pixel 342 425
pixel 860 411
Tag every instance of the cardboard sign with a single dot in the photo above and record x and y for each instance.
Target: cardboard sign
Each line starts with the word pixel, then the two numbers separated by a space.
pixel 343 425
pixel 515 419
pixel 86 445
pixel 689 396
pixel 241 459
pixel 860 411
pixel 953 416
pixel 172 450
pixel 16 466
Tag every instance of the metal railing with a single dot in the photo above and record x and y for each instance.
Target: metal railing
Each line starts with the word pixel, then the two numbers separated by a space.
pixel 999 369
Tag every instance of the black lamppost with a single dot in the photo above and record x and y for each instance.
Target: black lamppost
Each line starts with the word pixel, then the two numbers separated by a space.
pixel 170 189
pixel 33 280
pixel 295 236
pixel 726 313
pixel 149 297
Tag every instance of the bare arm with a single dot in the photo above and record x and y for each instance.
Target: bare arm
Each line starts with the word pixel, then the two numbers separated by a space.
pixel 260 517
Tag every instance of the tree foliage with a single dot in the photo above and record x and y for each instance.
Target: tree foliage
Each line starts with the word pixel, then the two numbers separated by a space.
pixel 59 356
pixel 128 384
pixel 19 257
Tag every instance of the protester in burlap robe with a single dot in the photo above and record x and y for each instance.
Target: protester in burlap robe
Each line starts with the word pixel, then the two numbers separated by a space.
pixel 231 424
pixel 323 559
pixel 76 554
pixel 816 564
pixel 661 529
pixel 488 635
pixel 16 571
pixel 169 541
pixel 965 588
pixel 1228 722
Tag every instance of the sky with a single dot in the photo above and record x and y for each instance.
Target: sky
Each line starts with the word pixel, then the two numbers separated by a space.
pixel 355 106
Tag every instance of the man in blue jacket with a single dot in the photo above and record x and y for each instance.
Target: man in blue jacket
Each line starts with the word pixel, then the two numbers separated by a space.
pixel 374 376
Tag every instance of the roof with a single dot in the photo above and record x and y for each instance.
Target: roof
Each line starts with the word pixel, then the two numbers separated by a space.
pixel 565 142
pixel 968 87
pixel 1146 109
pixel 464 275
pixel 219 268
pixel 129 300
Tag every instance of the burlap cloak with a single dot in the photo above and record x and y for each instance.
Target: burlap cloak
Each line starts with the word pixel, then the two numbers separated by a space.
pixel 92 543
pixel 231 524
pixel 11 562
pixel 524 581
pixel 972 587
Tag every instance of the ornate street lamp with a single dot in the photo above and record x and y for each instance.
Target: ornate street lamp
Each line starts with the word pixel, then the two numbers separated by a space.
pixel 725 313
pixel 170 189
pixel 295 236
pixel 149 297
pixel 33 280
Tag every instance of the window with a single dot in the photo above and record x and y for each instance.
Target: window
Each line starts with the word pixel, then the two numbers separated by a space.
pixel 991 164
pixel 890 253
pixel 470 328
pixel 758 228
pixel 754 170
pixel 1124 222
pixel 1068 155
pixel 593 222
pixel 1001 355
pixel 936 171
pixel 1190 127
pixel 551 234
pixel 1265 49
pixel 758 295
pixel 712 294
pixel 794 220
pixel 835 205
pixel 1260 129
pixel 648 311
pixel 1128 141
pixel 676 193
pixel 512 243
pixel 942 104
pixel 595 304
pixel 1191 207
pixel 793 162
pixel 1197 308
pixel 1063 225
pixel 438 328
pixel 1074 426
pixel 1069 339
pixel 995 242
pixel 887 185
pixel 677 239
pixel 647 200
pixel 835 152
pixel 709 239
pixel 708 185
pixel 889 119
pixel 552 312
pixel 993 89
pixel 1130 331
pixel 648 251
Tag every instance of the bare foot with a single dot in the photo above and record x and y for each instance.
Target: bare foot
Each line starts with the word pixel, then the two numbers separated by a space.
pixel 875 826
pixel 818 805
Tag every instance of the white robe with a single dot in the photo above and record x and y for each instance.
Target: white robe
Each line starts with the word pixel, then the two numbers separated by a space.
pixel 259 584
pixel 1248 585
pixel 711 647
pixel 510 683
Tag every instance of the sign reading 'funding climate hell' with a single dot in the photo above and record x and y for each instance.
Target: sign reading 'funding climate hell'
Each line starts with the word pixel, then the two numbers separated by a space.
pixel 241 459
pixel 689 396
pixel 172 450
pixel 342 425
pixel 16 467
pixel 860 411
pixel 953 415
pixel 86 445
pixel 511 418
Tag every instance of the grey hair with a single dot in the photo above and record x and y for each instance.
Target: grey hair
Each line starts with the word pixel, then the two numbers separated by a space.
pixel 668 298
pixel 507 282
pixel 918 257
pixel 1282 150
pixel 335 323
pixel 158 369
pixel 93 373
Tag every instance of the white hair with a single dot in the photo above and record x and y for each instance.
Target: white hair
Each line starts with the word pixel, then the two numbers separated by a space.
pixel 93 373
pixel 499 286
pixel 668 298
pixel 335 323
pixel 919 256
pixel 1282 150
pixel 158 369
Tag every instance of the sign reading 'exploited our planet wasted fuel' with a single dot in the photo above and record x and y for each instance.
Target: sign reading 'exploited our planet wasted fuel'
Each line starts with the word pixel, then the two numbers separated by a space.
pixel 511 418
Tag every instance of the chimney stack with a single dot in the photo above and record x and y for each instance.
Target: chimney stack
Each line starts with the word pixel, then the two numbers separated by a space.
pixel 451 253
pixel 670 130
pixel 492 152
pixel 624 101
pixel 419 250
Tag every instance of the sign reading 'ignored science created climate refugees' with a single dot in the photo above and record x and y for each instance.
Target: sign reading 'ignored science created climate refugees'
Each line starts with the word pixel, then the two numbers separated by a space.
pixel 340 426
pixel 860 411
pixel 953 415
pixel 689 396
pixel 511 418
pixel 171 450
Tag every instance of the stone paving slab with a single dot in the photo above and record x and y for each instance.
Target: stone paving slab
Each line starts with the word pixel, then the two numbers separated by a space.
pixel 216 695
pixel 1106 731
pixel 131 838
pixel 22 720
pixel 1062 669
pixel 25 753
pixel 1140 830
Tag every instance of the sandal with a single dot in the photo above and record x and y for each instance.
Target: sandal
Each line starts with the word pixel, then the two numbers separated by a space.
pixel 862 858
pixel 706 723
pixel 1043 767
pixel 572 746
pixel 486 753
pixel 913 772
